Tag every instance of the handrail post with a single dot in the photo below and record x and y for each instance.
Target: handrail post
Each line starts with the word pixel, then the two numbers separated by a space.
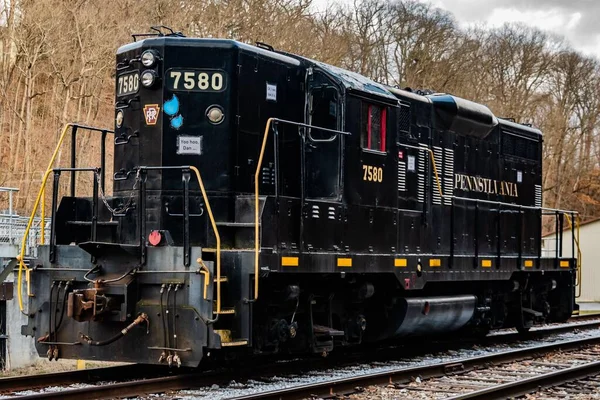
pixel 10 218
pixel 476 227
pixel 561 222
pixel 499 236
pixel 572 236
pixel 94 233
pixel 103 160
pixel 55 188
pixel 142 215
pixel 452 232
pixel 557 238
pixel 185 177
pixel 73 158
pixel 302 189
pixel 520 236
pixel 276 157
pixel 579 265
pixel 539 235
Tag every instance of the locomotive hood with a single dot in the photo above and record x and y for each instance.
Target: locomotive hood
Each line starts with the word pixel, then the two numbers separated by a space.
pixel 353 81
pixel 459 115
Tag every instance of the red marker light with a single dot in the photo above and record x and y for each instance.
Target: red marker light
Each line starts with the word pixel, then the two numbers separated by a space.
pixel 426 308
pixel 400 155
pixel 154 238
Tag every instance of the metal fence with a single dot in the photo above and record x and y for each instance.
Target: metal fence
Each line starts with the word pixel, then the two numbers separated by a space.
pixel 12 226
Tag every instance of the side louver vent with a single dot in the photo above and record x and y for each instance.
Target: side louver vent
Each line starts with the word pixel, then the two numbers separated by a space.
pixel 421 163
pixel 448 176
pixel 538 196
pixel 401 176
pixel 438 155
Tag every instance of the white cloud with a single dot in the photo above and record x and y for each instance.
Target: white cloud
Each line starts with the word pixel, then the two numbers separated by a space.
pixel 547 20
pixel 576 20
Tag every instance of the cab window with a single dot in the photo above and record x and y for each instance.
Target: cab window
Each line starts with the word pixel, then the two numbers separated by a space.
pixel 373 127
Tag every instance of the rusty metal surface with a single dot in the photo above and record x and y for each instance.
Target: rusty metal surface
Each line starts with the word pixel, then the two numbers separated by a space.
pixel 6 291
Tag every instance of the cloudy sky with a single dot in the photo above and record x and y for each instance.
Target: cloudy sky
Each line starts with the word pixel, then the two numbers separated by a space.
pixel 577 20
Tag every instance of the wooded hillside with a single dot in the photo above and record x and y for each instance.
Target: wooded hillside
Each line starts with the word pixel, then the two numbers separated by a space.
pixel 57 66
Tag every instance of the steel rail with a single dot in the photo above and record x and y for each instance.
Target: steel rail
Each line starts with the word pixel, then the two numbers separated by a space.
pixel 581 323
pixel 28 382
pixel 533 384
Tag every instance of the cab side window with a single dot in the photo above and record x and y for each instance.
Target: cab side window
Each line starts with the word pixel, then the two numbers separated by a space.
pixel 373 127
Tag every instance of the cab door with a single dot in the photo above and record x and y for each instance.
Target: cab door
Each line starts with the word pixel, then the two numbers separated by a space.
pixel 321 154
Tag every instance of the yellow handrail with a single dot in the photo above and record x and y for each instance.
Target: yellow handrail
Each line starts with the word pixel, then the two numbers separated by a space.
pixel 206 273
pixel 435 172
pixel 217 236
pixel 256 202
pixel 40 196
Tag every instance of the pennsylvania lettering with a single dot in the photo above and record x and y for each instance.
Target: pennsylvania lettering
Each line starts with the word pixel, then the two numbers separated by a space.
pixel 469 183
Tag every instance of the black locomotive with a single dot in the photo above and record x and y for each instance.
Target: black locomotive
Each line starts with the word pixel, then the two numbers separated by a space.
pixel 268 203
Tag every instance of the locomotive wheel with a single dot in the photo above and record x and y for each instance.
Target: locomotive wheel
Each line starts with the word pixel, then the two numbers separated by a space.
pixel 523 330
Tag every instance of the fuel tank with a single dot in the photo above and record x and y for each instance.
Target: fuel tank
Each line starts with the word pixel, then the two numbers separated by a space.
pixel 427 315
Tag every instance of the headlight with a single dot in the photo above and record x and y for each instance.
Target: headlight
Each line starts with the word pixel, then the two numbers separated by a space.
pixel 215 114
pixel 148 78
pixel 148 58
pixel 119 118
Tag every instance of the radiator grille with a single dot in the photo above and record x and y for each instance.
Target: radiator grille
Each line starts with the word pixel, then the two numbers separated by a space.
pixel 404 118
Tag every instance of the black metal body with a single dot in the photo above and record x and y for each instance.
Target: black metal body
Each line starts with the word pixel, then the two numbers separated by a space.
pixel 382 213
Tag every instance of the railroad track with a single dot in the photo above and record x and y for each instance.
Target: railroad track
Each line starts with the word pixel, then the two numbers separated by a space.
pixel 134 380
pixel 494 376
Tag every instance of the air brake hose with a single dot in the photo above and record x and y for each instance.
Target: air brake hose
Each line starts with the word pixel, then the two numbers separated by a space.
pixel 141 318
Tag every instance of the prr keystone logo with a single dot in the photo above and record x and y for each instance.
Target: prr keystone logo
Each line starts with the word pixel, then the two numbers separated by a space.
pixel 151 113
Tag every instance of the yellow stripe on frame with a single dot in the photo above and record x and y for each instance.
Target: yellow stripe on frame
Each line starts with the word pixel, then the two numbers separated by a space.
pixel 400 262
pixel 289 261
pixel 344 262
pixel 486 263
pixel 435 262
pixel 564 264
pixel 529 263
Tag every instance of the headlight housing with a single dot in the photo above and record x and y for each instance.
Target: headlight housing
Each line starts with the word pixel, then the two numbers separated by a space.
pixel 119 118
pixel 215 114
pixel 149 58
pixel 148 78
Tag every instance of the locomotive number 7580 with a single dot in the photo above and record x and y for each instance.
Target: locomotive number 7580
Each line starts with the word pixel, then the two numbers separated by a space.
pixel 196 80
pixel 372 174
